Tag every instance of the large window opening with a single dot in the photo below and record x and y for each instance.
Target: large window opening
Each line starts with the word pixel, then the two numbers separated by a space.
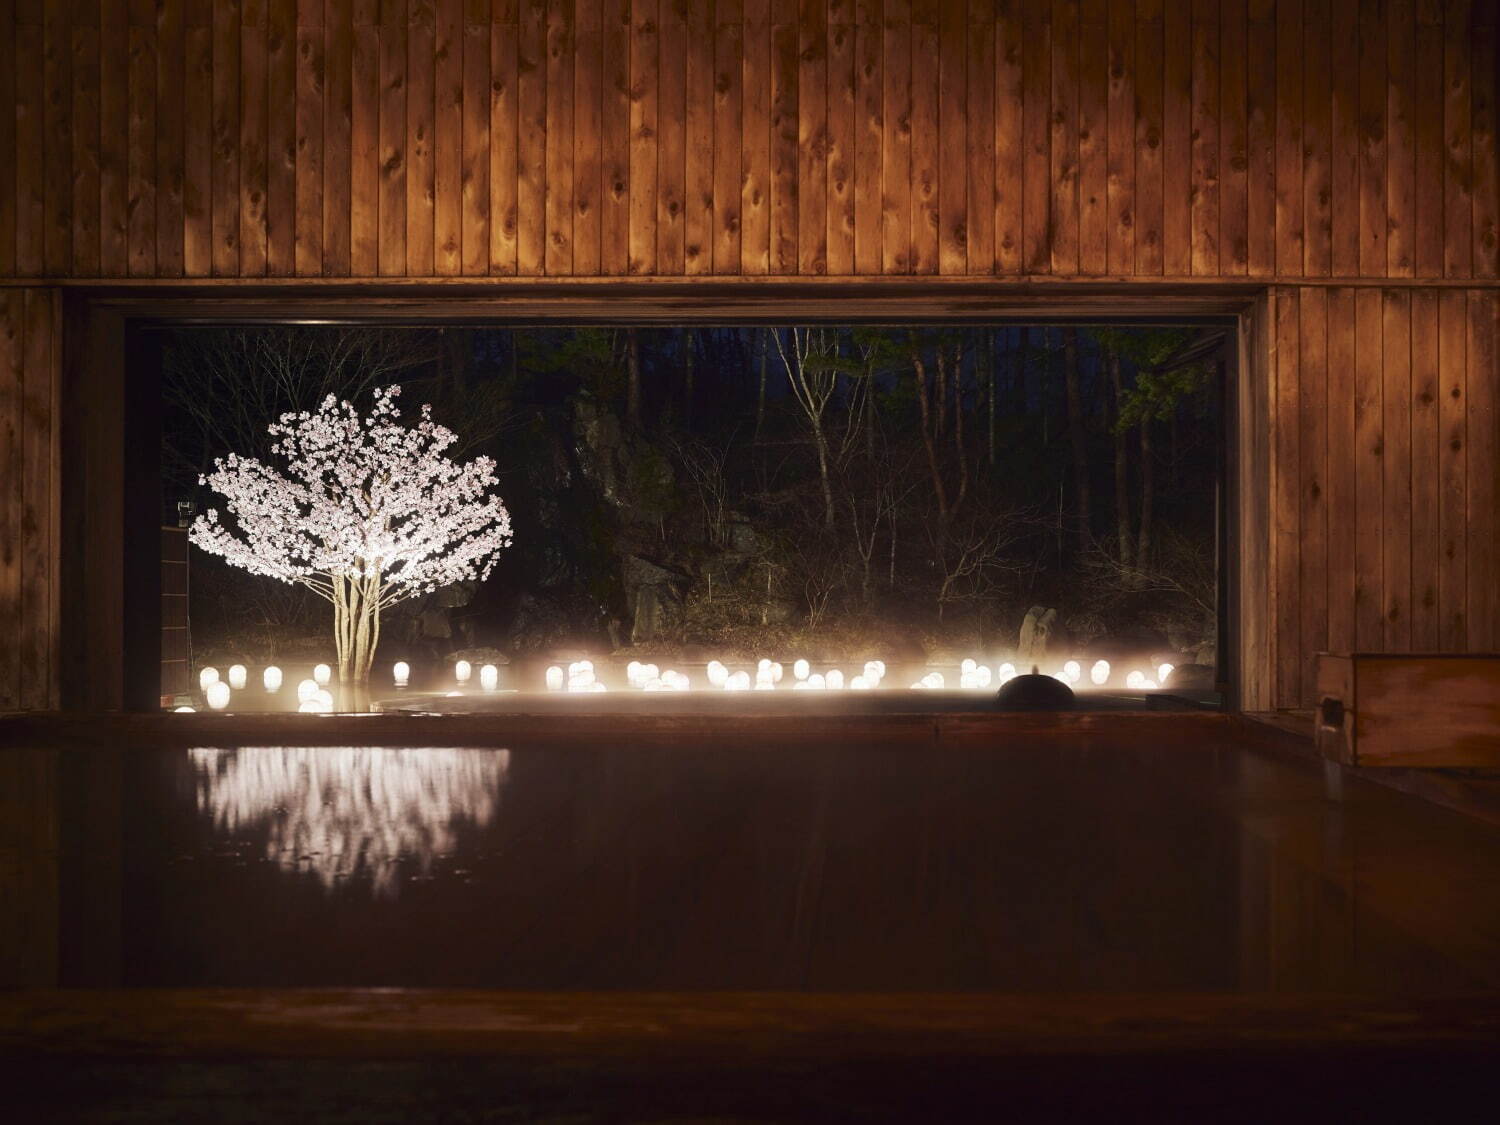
pixel 835 506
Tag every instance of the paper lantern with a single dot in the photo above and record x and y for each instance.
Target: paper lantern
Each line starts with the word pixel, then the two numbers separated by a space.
pixel 322 674
pixel 218 695
pixel 209 675
pixel 271 678
pixel 489 677
pixel 237 677
pixel 401 673
pixel 461 671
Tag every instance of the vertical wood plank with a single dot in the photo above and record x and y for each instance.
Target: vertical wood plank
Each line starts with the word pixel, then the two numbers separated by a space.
pixel 1290 120
pixel 1344 143
pixel 448 139
pixel 1458 200
pixel 309 163
pixel 338 137
pixel 30 145
pixel 1149 133
pixel 671 151
pixel 698 178
pixel 421 112
pixel 392 233
pixel 1120 126
pixel 980 152
pixel 755 153
pixel 1037 111
pixel 1426 458
pixel 1234 140
pixel 226 130
pixel 1484 468
pixel 926 137
pixel 8 65
pixel 1093 137
pixel 255 112
pixel 505 127
pixel 114 137
pixel 1178 146
pixel 364 153
pixel 1396 517
pixel 1205 124
pixel 12 375
pixel 1369 470
pixel 1453 516
pixel 1260 139
pixel 57 67
pixel 85 136
pixel 895 170
pixel 1341 481
pixel 1064 142
pixel 197 153
pixel 1317 141
pixel 531 141
pixel 1010 138
pixel 1285 496
pixel 142 173
pixel 1372 145
pixel 785 202
pixel 39 500
pixel 588 136
pixel 558 125
pixel 953 138
pixel 643 136
pixel 281 134
pixel 812 138
pixel 1312 472
pixel 843 118
pixel 1429 141
pixel 728 133
pixel 1401 166
pixel 614 138
pixel 1486 253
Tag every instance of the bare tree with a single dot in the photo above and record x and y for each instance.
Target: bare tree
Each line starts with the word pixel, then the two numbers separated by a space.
pixel 1077 438
pixel 813 369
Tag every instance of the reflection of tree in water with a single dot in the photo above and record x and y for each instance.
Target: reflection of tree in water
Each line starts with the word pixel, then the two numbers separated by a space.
pixel 345 811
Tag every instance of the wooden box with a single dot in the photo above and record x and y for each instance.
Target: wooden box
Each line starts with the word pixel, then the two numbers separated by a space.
pixel 1435 710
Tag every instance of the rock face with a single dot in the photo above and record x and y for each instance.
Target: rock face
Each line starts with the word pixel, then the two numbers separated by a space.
pixel 1036 632
pixel 1191 677
pixel 655 595
pixel 1035 693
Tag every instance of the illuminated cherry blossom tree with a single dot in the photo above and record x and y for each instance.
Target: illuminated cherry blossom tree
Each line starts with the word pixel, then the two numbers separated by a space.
pixel 366 512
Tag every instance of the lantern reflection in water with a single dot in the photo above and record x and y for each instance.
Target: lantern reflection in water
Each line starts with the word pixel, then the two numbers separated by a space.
pixel 343 813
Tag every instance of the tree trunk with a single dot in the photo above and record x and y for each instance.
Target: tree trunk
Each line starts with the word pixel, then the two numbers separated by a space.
pixel 940 494
pixel 822 444
pixel 687 378
pixel 1143 545
pixel 632 378
pixel 760 401
pixel 1122 465
pixel 987 357
pixel 1077 438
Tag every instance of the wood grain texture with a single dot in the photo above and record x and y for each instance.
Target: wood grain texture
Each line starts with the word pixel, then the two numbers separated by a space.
pixel 1312 478
pixel 281 175
pixel 1453 471
pixel 1425 482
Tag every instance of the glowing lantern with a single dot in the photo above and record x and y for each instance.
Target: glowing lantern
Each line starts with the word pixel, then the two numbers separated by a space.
pixel 982 676
pixel 816 682
pixel 218 695
pixel 650 671
pixel 764 685
pixel 237 677
pixel 310 707
pixel 554 678
pixel 209 675
pixel 306 690
pixel 489 677
pixel 401 672
pixel 1099 673
pixel 934 680
pixel 859 683
pixel 1162 672
pixel 1072 672
pixel 633 674
pixel 185 710
pixel 271 678
pixel 776 672
pixel 740 681
pixel 1006 671
pixel 968 666
pixel 1135 680
pixel 763 667
pixel 322 673
pixel 461 671
pixel 717 673
pixel 802 669
pixel 834 680
pixel 324 699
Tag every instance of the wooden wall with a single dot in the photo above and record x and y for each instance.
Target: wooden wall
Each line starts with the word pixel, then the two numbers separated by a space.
pixel 1340 151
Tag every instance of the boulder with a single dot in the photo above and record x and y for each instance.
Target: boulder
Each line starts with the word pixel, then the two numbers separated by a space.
pixel 1035 692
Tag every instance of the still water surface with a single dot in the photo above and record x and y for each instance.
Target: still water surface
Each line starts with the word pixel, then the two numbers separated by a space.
pixel 1026 868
